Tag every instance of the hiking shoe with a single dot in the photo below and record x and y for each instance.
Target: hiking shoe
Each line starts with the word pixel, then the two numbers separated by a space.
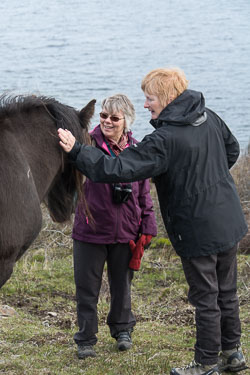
pixel 232 360
pixel 124 341
pixel 195 368
pixel 84 351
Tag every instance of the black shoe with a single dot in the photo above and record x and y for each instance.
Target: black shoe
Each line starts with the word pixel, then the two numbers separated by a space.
pixel 124 341
pixel 84 351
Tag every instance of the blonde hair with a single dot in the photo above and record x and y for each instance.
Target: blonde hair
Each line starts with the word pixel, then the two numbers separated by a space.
pixel 117 103
pixel 165 83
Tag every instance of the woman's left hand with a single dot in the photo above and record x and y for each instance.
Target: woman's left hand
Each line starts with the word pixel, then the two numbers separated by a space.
pixel 67 140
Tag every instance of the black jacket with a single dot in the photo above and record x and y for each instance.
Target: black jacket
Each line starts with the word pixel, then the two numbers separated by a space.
pixel 189 155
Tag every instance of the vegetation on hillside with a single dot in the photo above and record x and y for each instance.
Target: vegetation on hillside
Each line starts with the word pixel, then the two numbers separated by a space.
pixel 39 318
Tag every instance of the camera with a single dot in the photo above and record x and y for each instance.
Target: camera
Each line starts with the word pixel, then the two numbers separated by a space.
pixel 121 193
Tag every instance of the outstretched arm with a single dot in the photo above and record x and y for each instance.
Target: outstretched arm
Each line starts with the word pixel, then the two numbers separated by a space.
pixel 143 160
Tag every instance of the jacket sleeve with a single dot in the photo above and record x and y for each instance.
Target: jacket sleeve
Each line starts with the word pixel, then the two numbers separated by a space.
pixel 231 145
pixel 148 224
pixel 138 162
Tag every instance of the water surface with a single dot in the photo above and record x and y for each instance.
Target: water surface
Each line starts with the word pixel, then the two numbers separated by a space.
pixel 78 50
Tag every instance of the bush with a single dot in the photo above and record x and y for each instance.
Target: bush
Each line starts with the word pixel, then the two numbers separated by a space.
pixel 241 175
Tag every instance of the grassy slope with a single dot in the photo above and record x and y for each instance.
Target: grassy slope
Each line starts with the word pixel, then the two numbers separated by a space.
pixel 38 339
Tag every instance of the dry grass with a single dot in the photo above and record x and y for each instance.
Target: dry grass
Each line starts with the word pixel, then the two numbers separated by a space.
pixel 58 236
pixel 241 175
pixel 38 338
pixel 55 238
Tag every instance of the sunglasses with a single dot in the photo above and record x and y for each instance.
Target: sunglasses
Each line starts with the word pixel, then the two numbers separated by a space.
pixel 112 118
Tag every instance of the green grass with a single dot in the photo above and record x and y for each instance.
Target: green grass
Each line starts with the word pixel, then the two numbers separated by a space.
pixel 38 339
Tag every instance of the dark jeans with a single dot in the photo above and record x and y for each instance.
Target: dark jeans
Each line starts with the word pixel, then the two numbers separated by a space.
pixel 213 291
pixel 89 260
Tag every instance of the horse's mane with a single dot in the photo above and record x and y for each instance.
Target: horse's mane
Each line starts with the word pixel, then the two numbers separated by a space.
pixel 60 196
pixel 64 116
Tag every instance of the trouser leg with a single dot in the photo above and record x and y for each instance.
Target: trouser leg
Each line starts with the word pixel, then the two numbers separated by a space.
pixel 89 262
pixel 201 276
pixel 228 300
pixel 120 276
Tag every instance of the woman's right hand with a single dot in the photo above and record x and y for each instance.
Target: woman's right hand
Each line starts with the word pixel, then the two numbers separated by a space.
pixel 67 140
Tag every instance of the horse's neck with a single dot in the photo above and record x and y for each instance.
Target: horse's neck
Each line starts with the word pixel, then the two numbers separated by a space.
pixel 39 145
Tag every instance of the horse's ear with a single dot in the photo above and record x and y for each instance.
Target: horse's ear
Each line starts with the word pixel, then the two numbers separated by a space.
pixel 87 113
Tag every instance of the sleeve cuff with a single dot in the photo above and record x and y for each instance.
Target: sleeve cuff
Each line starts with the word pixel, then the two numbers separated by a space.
pixel 74 152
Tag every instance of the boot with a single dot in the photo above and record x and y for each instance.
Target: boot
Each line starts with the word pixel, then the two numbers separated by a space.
pixel 232 360
pixel 195 368
pixel 124 341
pixel 84 351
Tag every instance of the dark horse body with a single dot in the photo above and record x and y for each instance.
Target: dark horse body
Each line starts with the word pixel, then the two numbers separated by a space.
pixel 34 169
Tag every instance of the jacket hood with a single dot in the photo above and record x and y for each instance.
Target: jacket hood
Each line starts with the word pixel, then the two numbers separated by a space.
pixel 187 109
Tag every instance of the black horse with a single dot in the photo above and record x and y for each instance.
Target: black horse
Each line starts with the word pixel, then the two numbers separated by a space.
pixel 34 169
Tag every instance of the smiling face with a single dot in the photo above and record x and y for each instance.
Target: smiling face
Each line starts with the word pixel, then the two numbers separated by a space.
pixel 152 103
pixel 112 129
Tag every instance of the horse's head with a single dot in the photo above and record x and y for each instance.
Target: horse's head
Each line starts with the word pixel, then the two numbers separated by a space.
pixel 37 171
pixel 68 184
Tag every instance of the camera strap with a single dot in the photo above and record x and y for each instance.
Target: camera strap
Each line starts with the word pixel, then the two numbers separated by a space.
pixel 110 149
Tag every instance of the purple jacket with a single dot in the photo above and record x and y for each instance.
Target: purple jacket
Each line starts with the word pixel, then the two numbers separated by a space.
pixel 114 222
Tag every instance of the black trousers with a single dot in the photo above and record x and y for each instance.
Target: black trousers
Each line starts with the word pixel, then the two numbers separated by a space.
pixel 213 291
pixel 89 260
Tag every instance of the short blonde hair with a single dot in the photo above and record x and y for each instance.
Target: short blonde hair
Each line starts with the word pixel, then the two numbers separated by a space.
pixel 117 103
pixel 165 83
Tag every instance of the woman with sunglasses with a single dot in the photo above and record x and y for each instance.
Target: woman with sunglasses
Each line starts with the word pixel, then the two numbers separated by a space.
pixel 121 213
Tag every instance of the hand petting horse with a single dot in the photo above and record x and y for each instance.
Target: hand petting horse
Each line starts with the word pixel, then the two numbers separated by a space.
pixel 34 169
pixel 67 140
